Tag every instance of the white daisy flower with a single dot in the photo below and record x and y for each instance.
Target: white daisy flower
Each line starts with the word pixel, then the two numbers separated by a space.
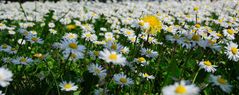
pixel 207 65
pixel 74 55
pixel 229 33
pixel 113 46
pixel 71 45
pixel 51 25
pixel 68 86
pixel 97 70
pixel 52 31
pixel 34 39
pixel 180 88
pixel 89 37
pixel 5 48
pixel 5 77
pixel 221 82
pixel 112 56
pixel 122 80
pixel 232 51
pixel 70 36
pixel 147 76
pixel 141 60
pixel 149 53
pixel 22 60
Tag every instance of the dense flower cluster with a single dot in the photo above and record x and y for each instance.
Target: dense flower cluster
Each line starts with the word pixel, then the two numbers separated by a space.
pixel 132 47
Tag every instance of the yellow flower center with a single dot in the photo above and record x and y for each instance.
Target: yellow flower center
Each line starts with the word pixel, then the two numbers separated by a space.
pixel 208 63
pixel 73 45
pixel 197 25
pixel 212 41
pixel 234 50
pixel 71 36
pixel 196 8
pixel 67 86
pixel 70 27
pixel 34 39
pixel 23 60
pixel 230 31
pixel 146 75
pixel 128 32
pixel 196 37
pixel 180 89
pixel 219 34
pixel 221 80
pixel 4 46
pixel 123 80
pixel 113 57
pixel 88 35
pixel 141 59
pixel 97 71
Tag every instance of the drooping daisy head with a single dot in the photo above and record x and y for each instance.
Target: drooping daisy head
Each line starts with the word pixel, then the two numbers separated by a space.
pixel 221 82
pixel 208 66
pixel 181 88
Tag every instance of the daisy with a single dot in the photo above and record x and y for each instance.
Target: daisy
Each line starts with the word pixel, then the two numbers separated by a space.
pixel 128 32
pixel 207 65
pixel 229 33
pixel 97 70
pixel 100 91
pixel 52 31
pixel 149 53
pixel 71 45
pixel 68 86
pixel 221 82
pixel 122 80
pixel 141 60
pixel 22 60
pixel 51 25
pixel 180 88
pixel 89 37
pixel 34 39
pixel 5 77
pixel 73 56
pixel 70 36
pixel 112 56
pixel 124 50
pixel 113 46
pixel 147 76
pixel 5 48
pixel 232 51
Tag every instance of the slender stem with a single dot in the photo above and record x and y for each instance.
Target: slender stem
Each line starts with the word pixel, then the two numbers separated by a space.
pixel 196 75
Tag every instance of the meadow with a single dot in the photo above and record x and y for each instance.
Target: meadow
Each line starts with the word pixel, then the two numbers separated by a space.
pixel 120 48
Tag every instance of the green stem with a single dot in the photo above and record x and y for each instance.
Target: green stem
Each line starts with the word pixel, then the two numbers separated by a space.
pixel 196 75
